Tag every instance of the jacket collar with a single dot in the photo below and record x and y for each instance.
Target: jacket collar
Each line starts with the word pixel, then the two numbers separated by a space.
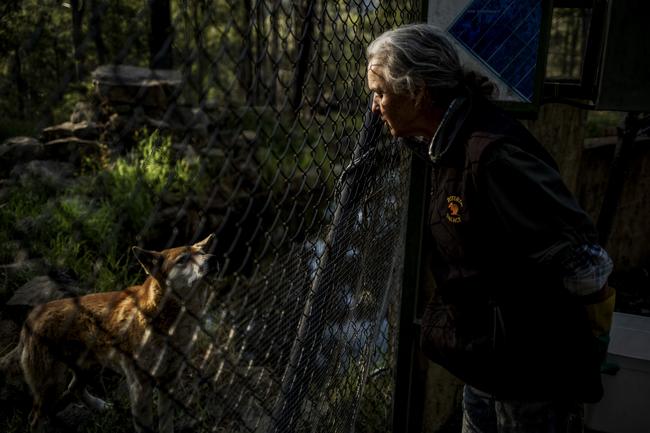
pixel 450 126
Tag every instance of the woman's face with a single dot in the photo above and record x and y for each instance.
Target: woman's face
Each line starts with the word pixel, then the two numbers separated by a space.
pixel 402 113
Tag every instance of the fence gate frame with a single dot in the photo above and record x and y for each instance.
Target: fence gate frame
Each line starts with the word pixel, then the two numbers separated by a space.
pixel 408 397
pixel 410 382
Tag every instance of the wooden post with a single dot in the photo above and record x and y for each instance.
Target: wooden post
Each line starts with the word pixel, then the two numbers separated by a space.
pixel 616 181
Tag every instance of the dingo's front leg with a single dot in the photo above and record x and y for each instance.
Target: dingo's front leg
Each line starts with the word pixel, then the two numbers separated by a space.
pixel 141 397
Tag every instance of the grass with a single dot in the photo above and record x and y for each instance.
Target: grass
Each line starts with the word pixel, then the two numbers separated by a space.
pixel 87 228
pixel 14 417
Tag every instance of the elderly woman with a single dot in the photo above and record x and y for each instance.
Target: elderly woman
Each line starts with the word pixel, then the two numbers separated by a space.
pixel 522 308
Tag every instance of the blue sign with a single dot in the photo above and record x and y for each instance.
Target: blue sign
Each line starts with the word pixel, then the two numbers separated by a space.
pixel 504 36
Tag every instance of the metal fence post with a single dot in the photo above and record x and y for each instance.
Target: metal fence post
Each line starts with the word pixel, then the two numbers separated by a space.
pixel 408 395
pixel 620 165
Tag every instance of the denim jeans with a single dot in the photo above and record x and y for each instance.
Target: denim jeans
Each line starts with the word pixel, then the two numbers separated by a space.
pixel 483 414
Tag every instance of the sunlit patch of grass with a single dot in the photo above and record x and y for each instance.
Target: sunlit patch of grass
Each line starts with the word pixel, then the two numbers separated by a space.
pixel 88 228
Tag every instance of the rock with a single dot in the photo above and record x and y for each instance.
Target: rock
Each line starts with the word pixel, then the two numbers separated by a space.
pixel 72 149
pixel 17 270
pixel 247 137
pixel 38 290
pixel 20 145
pixel 213 153
pixel 84 112
pixel 126 75
pixel 190 121
pixel 183 120
pixel 124 84
pixel 21 150
pixel 12 251
pixel 186 151
pixel 156 124
pixel 16 275
pixel 84 130
pixel 16 150
pixel 53 174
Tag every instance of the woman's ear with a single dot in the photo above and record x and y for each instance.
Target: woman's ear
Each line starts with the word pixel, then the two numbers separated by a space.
pixel 421 97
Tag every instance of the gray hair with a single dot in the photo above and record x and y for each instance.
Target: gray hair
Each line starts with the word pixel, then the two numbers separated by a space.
pixel 419 56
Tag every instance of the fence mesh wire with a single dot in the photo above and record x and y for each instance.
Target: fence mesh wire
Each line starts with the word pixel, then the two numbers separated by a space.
pixel 157 123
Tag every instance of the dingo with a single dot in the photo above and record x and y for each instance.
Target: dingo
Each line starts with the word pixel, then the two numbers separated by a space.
pixel 144 332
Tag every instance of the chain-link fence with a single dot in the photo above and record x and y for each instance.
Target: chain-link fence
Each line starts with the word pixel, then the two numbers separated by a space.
pixel 155 124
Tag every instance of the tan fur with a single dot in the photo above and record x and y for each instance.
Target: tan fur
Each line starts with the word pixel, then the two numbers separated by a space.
pixel 143 331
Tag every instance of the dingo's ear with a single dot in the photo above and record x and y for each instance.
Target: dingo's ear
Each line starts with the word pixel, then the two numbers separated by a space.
pixel 204 243
pixel 149 260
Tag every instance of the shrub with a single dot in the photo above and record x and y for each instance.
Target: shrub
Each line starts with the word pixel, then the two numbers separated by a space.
pixel 88 227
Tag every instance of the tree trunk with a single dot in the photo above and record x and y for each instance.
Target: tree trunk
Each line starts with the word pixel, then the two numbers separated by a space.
pixel 261 42
pixel 246 60
pixel 77 7
pixel 97 10
pixel 21 84
pixel 304 47
pixel 198 10
pixel 161 35
pixel 320 65
pixel 275 52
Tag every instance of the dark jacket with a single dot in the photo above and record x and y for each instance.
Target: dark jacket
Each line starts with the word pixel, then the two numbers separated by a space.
pixel 501 221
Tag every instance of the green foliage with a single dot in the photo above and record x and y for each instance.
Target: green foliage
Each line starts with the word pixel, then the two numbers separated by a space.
pixel 67 101
pixel 135 181
pixel 375 410
pixel 89 227
pixel 38 78
pixel 23 205
pixel 602 123
pixel 14 416
pixel 295 149
pixel 372 390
